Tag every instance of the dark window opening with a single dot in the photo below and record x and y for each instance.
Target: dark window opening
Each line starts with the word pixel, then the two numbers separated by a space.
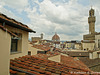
pixel 14 43
pixel 29 52
pixel 98 43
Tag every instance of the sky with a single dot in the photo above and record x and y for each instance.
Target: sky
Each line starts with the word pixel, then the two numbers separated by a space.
pixel 68 18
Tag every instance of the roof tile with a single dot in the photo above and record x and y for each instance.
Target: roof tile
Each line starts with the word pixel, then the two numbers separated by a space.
pixel 46 67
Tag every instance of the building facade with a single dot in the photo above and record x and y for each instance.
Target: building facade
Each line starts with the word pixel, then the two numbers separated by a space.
pixel 12 46
pixel 5 44
pixel 37 38
pixel 88 45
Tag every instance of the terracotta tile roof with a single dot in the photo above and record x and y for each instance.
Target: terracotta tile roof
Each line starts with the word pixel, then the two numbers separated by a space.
pixel 43 56
pixel 90 62
pixel 42 47
pixel 12 21
pixel 47 44
pixel 47 55
pixel 36 66
pixel 4 29
pixel 32 42
pixel 75 54
pixel 73 62
pixel 13 72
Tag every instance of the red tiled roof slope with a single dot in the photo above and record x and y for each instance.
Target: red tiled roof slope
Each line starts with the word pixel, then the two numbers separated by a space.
pixel 2 16
pixel 73 62
pixel 42 47
pixel 90 62
pixel 36 66
pixel 46 56
pixel 13 72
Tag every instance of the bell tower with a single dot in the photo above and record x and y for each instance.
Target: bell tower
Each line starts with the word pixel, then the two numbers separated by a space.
pixel 91 21
pixel 41 35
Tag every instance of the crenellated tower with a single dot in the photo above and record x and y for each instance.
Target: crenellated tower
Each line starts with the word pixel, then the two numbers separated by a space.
pixel 91 21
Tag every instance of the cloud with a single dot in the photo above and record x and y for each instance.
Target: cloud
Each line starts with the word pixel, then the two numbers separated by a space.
pixel 8 12
pixel 18 5
pixel 69 18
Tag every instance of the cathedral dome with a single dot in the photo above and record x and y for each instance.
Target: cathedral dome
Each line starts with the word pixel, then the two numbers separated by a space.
pixel 56 37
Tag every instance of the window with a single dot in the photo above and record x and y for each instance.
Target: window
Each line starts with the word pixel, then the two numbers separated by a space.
pixel 29 52
pixel 14 44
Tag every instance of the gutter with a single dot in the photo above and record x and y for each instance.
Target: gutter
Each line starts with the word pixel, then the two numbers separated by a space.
pixel 22 71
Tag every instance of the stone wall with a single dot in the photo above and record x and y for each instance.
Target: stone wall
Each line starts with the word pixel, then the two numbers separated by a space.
pixel 97 41
pixel 89 37
pixel 88 46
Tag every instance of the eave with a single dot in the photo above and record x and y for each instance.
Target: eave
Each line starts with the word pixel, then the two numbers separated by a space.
pixel 16 26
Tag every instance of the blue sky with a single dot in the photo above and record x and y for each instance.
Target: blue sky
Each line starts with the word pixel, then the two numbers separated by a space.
pixel 69 18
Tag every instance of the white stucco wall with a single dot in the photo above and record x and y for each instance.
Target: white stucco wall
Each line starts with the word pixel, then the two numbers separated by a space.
pixel 77 46
pixel 56 58
pixel 32 49
pixel 23 47
pixel 57 45
pixel 5 44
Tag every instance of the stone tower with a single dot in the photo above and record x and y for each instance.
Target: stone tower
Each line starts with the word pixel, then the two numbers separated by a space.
pixel 41 35
pixel 91 21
